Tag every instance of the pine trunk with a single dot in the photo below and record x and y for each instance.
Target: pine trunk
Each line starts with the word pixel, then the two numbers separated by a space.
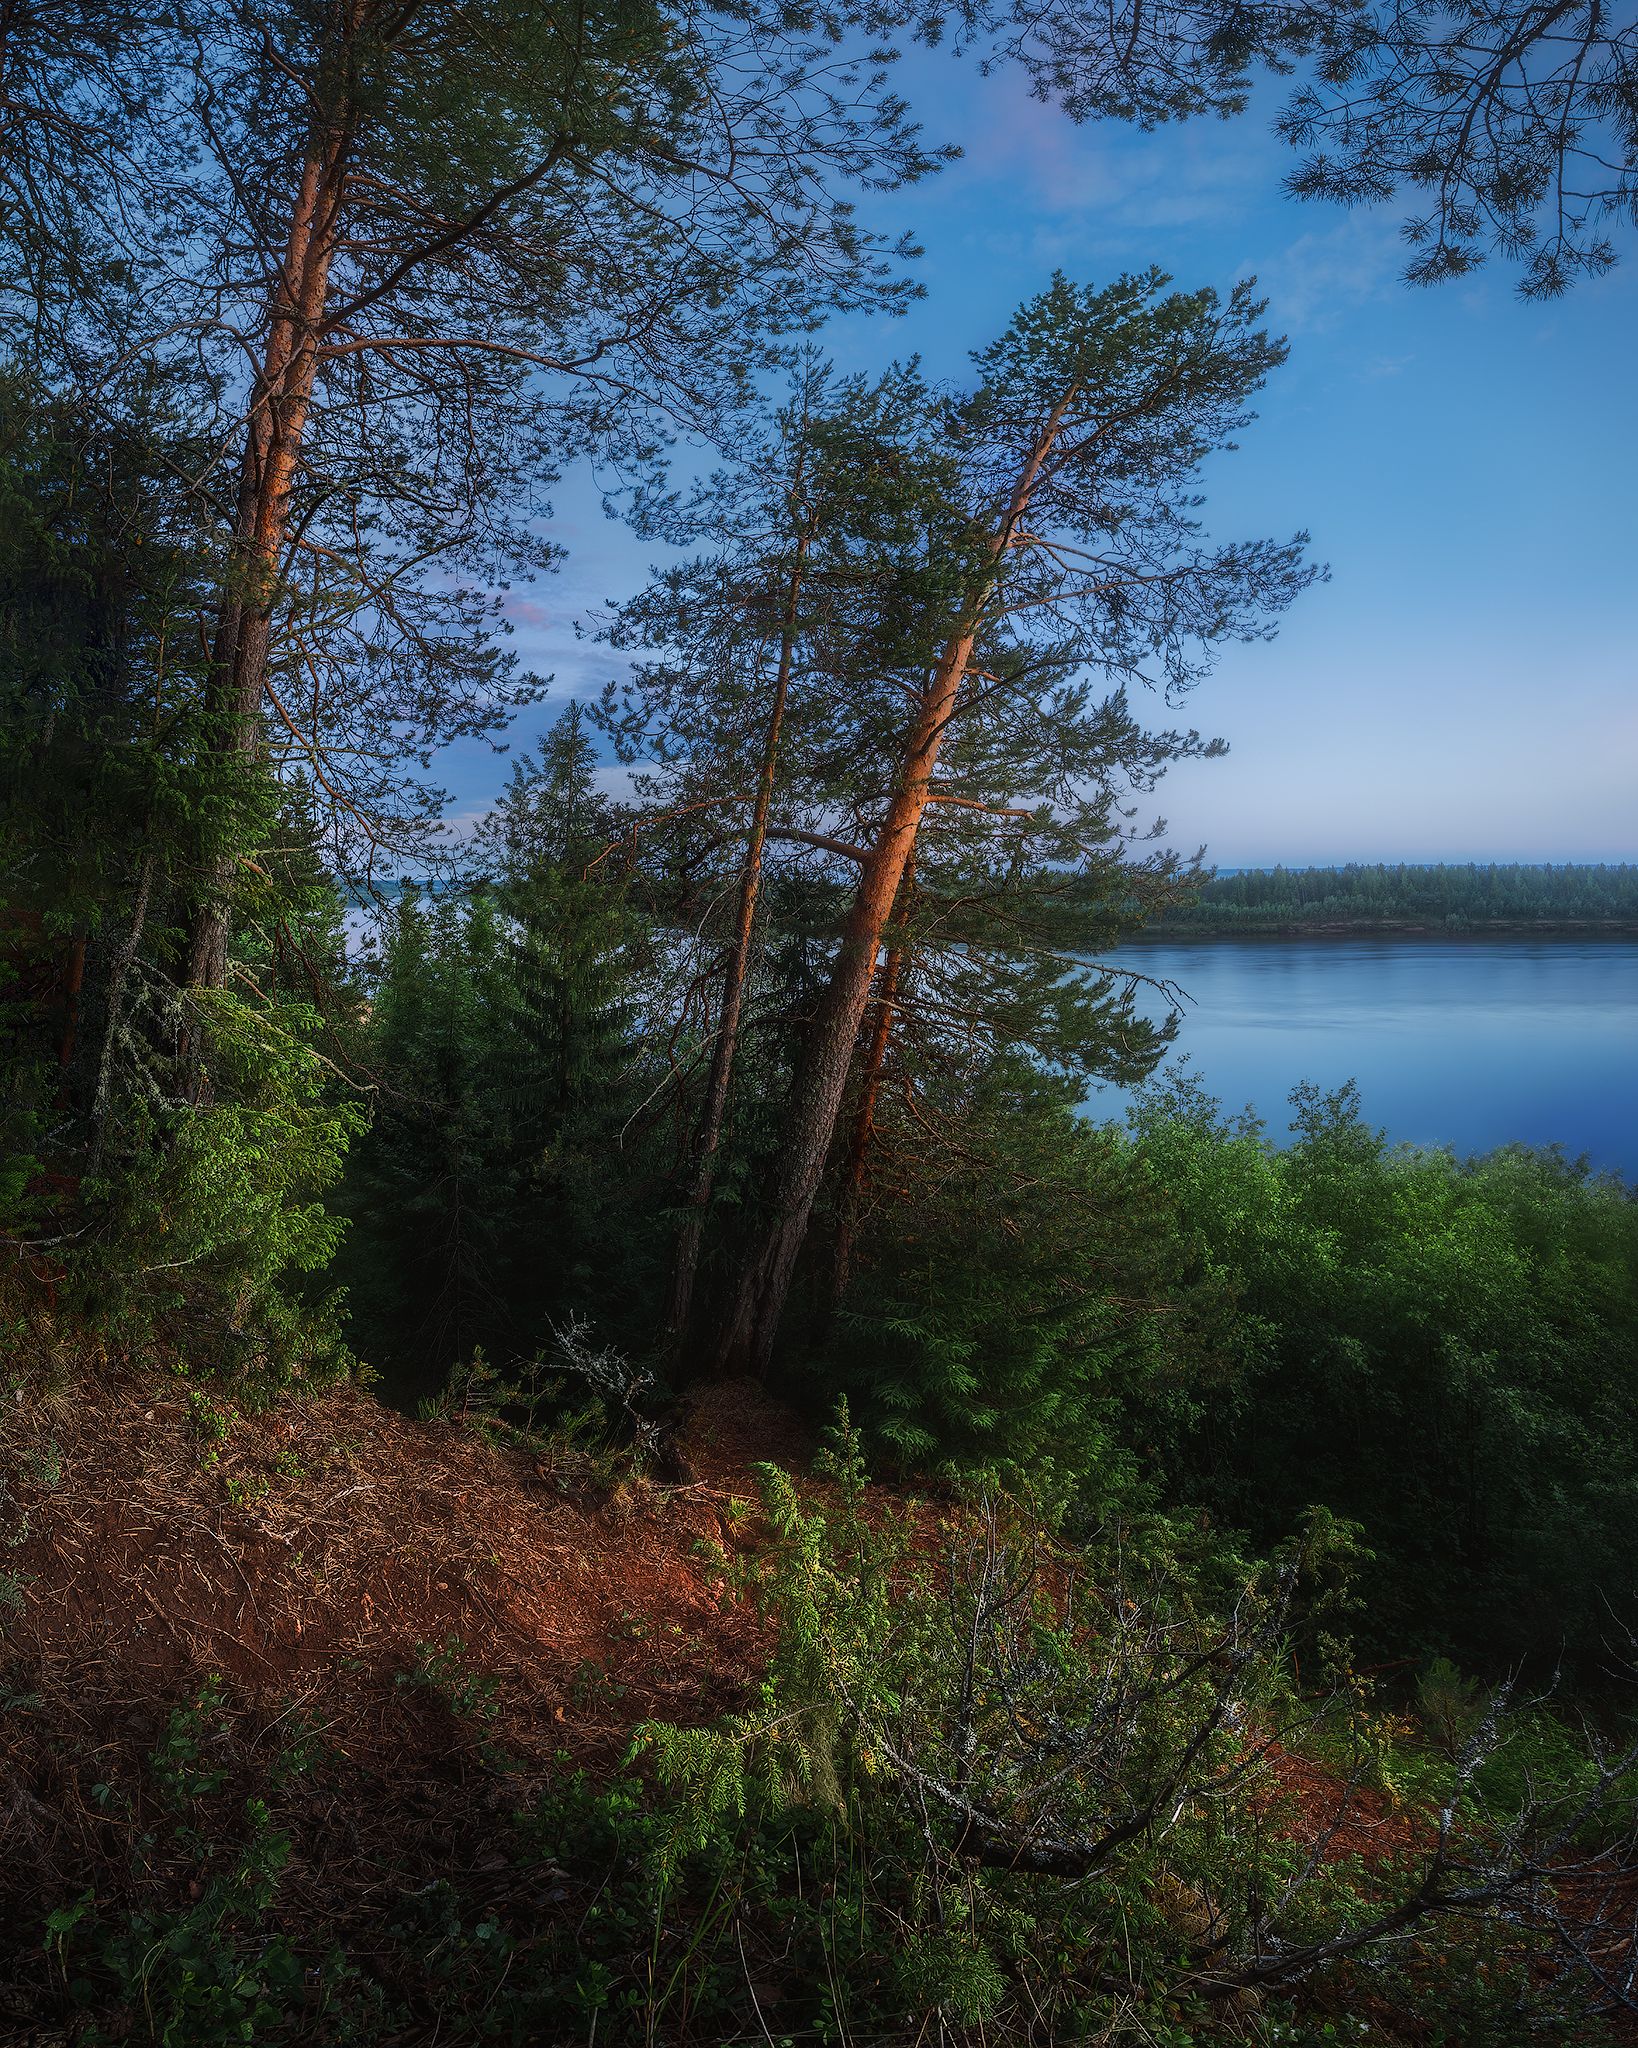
pixel 708 1134
pixel 821 1080
pixel 280 402
pixel 864 1121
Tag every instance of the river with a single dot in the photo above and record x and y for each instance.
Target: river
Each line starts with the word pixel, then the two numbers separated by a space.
pixel 1464 1042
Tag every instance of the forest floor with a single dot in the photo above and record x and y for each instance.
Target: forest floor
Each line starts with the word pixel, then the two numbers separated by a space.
pixel 415 1599
pixel 317 1553
pixel 411 1595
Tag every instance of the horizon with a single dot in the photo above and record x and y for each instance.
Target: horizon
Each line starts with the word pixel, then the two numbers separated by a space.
pixel 1272 867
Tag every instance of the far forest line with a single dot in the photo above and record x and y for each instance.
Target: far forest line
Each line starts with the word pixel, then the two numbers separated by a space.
pixel 1442 896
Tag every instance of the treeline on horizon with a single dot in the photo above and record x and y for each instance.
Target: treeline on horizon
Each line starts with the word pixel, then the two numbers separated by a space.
pixel 1455 895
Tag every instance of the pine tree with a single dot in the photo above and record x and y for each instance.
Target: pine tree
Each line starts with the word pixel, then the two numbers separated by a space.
pixel 454 246
pixel 737 726
pixel 1073 554
pixel 1516 127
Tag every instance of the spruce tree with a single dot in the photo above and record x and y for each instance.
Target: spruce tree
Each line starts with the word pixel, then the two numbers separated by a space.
pixel 428 1192
pixel 108 814
pixel 491 1197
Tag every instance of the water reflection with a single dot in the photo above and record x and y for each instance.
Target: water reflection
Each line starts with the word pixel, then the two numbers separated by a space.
pixel 1469 1043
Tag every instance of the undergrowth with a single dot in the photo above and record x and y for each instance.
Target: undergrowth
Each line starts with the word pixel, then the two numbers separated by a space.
pixel 992 1788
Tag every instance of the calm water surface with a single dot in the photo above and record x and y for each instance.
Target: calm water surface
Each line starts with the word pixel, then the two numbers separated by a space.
pixel 1470 1043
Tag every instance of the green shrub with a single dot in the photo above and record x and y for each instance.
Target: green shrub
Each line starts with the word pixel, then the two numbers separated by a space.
pixel 1443 1351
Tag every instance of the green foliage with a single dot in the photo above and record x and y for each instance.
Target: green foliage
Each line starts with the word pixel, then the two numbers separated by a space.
pixel 209 1211
pixel 179 1764
pixel 1024 1297
pixel 446 1670
pixel 488 1202
pixel 1033 1795
pixel 179 1187
pixel 429 1187
pixel 1448 1705
pixel 1456 898
pixel 1016 1746
pixel 204 1975
pixel 848 1857
pixel 212 1967
pixel 1442 1350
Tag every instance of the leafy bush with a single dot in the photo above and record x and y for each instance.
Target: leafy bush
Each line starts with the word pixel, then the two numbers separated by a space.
pixel 1441 1350
pixel 1023 1311
pixel 211 1215
pixel 206 1964
pixel 1064 1771
pixel 992 1787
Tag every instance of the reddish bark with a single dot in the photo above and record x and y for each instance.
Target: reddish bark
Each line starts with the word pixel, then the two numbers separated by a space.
pixel 864 1121
pixel 280 401
pixel 821 1081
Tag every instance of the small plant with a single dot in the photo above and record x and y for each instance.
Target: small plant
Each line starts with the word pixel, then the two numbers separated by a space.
pixel 303 1750
pixel 619 1387
pixel 179 1762
pixel 13 1581
pixel 242 1492
pixel 529 1405
pixel 211 1423
pixel 591 1687
pixel 208 1973
pixel 474 1392
pixel 201 1963
pixel 1451 1706
pixel 444 1669
pixel 43 1465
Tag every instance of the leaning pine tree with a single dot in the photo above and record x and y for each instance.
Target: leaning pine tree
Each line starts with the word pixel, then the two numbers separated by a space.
pixel 1079 557
pixel 742 720
pixel 755 716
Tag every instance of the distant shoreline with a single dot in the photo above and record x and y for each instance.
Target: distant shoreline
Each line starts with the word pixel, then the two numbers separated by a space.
pixel 1399 928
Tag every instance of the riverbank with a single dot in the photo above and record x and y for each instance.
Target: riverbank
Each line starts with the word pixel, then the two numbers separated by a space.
pixel 1396 928
pixel 1440 899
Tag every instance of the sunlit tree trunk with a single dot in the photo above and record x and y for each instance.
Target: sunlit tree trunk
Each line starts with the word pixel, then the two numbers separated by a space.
pixel 864 1121
pixel 281 399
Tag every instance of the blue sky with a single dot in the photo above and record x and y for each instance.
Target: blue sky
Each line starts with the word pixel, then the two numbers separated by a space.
pixel 1463 687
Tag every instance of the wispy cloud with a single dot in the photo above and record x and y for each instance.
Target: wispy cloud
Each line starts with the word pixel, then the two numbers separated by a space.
pixel 1117 183
pixel 526 611
pixel 1323 278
